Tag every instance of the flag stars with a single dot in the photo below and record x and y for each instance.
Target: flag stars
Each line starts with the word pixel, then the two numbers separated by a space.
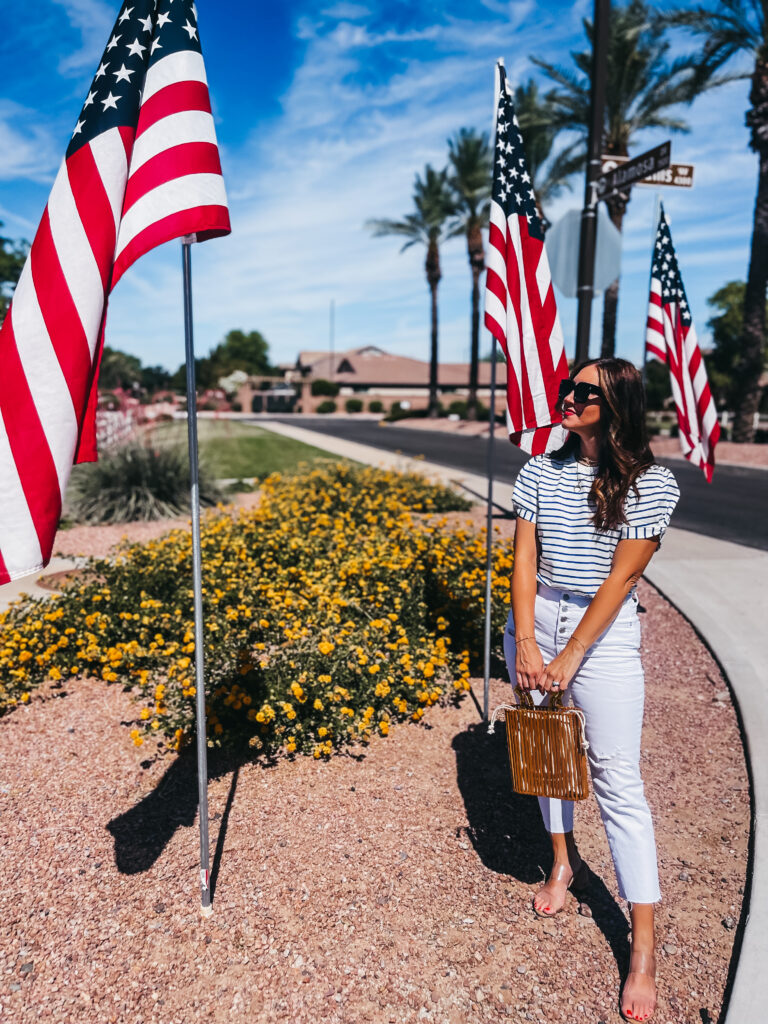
pixel 155 45
pixel 123 74
pixel 163 19
pixel 89 99
pixel 78 128
pixel 109 102
pixel 146 23
pixel 101 70
pixel 136 49
pixel 125 15
pixel 113 42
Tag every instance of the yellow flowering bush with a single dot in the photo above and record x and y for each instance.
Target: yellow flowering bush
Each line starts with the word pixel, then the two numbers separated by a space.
pixel 331 611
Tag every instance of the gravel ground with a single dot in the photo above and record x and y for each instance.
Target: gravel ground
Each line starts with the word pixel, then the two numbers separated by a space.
pixel 99 540
pixel 392 885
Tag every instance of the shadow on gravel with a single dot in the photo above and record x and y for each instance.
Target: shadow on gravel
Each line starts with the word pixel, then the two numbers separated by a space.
pixel 508 834
pixel 142 833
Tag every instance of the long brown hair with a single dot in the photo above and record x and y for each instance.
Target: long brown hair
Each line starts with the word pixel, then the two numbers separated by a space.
pixel 624 452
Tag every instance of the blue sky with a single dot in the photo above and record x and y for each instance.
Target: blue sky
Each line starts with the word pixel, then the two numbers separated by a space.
pixel 324 115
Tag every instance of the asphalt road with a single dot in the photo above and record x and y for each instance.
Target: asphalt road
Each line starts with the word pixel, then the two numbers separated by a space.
pixel 733 507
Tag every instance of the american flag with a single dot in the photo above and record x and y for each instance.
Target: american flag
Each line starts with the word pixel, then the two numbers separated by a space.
pixel 520 309
pixel 671 337
pixel 142 167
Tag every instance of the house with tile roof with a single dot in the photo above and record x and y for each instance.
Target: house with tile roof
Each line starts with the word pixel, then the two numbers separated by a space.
pixel 371 374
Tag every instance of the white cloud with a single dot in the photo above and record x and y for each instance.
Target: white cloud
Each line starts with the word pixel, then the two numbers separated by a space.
pixel 27 148
pixel 345 149
pixel 93 19
pixel 346 11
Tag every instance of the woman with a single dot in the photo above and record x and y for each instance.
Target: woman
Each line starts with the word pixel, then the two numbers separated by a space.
pixel 589 518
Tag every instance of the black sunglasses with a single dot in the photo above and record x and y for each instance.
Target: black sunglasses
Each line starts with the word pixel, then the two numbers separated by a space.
pixel 582 390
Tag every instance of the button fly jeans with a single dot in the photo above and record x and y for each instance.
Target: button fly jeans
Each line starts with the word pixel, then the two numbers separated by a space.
pixel 609 689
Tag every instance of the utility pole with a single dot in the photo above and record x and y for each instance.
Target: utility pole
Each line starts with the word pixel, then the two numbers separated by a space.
pixel 332 339
pixel 588 238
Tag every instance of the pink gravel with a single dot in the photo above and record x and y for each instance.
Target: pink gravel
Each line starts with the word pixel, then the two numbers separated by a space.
pixel 98 541
pixel 390 885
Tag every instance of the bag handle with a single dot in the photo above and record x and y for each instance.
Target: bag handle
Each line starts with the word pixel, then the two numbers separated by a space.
pixel 525 700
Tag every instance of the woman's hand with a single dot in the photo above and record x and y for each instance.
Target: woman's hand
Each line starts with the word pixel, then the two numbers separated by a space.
pixel 528 663
pixel 560 670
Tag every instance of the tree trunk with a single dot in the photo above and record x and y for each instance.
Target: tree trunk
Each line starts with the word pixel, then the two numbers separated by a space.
pixel 616 208
pixel 749 366
pixel 433 279
pixel 476 264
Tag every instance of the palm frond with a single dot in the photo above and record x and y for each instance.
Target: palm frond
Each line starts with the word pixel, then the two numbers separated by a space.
pixel 469 178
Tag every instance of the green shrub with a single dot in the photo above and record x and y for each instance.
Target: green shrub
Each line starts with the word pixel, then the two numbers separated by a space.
pixel 327 406
pixel 458 407
pixel 353 405
pixel 331 611
pixel 136 482
pixel 375 406
pixel 324 387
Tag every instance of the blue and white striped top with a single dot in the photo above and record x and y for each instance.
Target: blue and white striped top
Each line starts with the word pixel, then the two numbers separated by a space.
pixel 574 554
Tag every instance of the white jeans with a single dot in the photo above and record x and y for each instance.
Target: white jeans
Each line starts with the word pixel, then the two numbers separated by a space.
pixel 609 689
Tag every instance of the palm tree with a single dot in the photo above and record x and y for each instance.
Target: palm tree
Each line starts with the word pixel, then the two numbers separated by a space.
pixel 471 164
pixel 736 28
pixel 433 201
pixel 642 85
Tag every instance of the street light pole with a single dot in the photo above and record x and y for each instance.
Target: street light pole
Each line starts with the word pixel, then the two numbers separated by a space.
pixel 588 238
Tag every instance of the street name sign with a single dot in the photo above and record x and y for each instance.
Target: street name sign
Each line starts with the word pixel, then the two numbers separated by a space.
pixel 674 176
pixel 628 172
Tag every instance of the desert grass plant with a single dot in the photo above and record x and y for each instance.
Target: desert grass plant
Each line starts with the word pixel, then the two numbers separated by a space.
pixel 340 605
pixel 136 482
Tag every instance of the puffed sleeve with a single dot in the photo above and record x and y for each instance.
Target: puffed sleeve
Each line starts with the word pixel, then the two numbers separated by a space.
pixel 648 515
pixel 525 497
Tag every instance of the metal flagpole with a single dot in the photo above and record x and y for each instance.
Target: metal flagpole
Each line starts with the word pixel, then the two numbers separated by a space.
pixel 489 537
pixel 491 438
pixel 656 213
pixel 197 582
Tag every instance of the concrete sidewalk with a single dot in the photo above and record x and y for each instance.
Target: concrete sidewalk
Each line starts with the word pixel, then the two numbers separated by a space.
pixel 720 588
pixel 10 592
pixel 473 485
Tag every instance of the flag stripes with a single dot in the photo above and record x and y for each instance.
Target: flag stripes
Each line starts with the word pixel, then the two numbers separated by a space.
pixel 671 337
pixel 520 307
pixel 141 169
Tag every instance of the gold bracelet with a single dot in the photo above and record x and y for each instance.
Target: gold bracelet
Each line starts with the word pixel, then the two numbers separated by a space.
pixel 581 645
pixel 522 638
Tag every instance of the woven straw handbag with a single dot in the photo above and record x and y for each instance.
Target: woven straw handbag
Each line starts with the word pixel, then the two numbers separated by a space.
pixel 547 747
